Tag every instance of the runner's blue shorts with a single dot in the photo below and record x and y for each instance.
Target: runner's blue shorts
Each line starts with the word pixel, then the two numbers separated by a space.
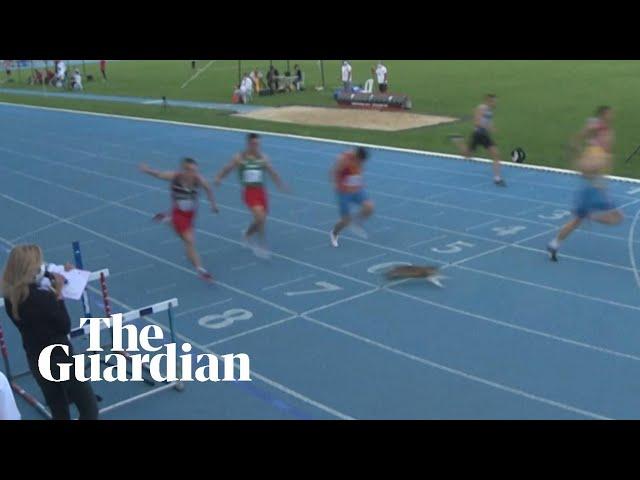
pixel 345 199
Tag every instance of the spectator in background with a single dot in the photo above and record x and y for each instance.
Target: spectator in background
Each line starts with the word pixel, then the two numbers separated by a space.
pixel 245 90
pixel 41 316
pixel 103 69
pixel 49 76
pixel 382 77
pixel 7 69
pixel 8 408
pixel 347 78
pixel 256 78
pixel 61 73
pixel 271 80
pixel 276 77
pixel 246 87
pixel 299 80
pixel 37 78
pixel 76 80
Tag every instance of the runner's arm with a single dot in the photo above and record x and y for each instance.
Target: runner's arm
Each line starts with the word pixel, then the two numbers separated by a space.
pixel 274 175
pixel 226 170
pixel 207 188
pixel 144 168
pixel 337 168
pixel 477 116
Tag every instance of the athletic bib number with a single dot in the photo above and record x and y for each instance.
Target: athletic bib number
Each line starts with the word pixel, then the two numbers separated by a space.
pixel 252 176
pixel 226 319
pixel 185 205
pixel 353 181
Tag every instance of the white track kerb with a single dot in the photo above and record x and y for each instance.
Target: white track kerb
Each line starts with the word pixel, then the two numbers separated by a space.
pixel 313 139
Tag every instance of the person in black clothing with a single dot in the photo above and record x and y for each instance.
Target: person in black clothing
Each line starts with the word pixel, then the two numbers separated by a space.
pixel 41 316
pixel 297 71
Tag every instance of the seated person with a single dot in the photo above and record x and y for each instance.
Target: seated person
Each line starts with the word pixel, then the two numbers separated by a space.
pixel 48 76
pixel 37 78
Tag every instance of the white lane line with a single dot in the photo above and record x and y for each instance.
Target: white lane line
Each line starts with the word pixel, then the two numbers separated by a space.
pixel 321 268
pixel 141 230
pixel 459 373
pixel 314 229
pixel 530 210
pixel 252 331
pixel 362 260
pixel 424 242
pixel 381 229
pixel 67 245
pixel 244 267
pixel 391 218
pixel 197 74
pixel 485 224
pixel 632 257
pixel 437 261
pixel 539 333
pixel 317 247
pixel 271 287
pixel 203 307
pixel 505 324
pixel 422 153
pixel 147 254
pixel 292 317
pixel 552 289
pixel 341 301
pixel 254 374
pixel 160 289
pixel 130 271
pixel 217 249
pixel 205 232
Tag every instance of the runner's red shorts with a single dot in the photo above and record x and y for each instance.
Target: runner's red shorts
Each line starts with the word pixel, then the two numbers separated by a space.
pixel 182 220
pixel 256 197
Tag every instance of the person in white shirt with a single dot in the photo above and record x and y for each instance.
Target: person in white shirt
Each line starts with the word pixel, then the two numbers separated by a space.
pixel 76 80
pixel 8 408
pixel 347 78
pixel 61 73
pixel 246 88
pixel 382 77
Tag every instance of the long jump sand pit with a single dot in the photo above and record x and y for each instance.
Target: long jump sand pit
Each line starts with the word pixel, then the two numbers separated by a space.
pixel 367 119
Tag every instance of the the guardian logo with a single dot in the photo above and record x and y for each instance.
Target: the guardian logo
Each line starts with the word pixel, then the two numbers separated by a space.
pixel 160 361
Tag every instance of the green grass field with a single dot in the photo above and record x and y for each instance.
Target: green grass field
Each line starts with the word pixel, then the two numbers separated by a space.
pixel 540 105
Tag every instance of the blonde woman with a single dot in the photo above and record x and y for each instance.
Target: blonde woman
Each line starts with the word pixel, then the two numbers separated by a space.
pixel 41 316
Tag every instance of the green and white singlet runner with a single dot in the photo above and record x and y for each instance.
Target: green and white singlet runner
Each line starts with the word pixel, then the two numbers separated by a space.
pixel 251 171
